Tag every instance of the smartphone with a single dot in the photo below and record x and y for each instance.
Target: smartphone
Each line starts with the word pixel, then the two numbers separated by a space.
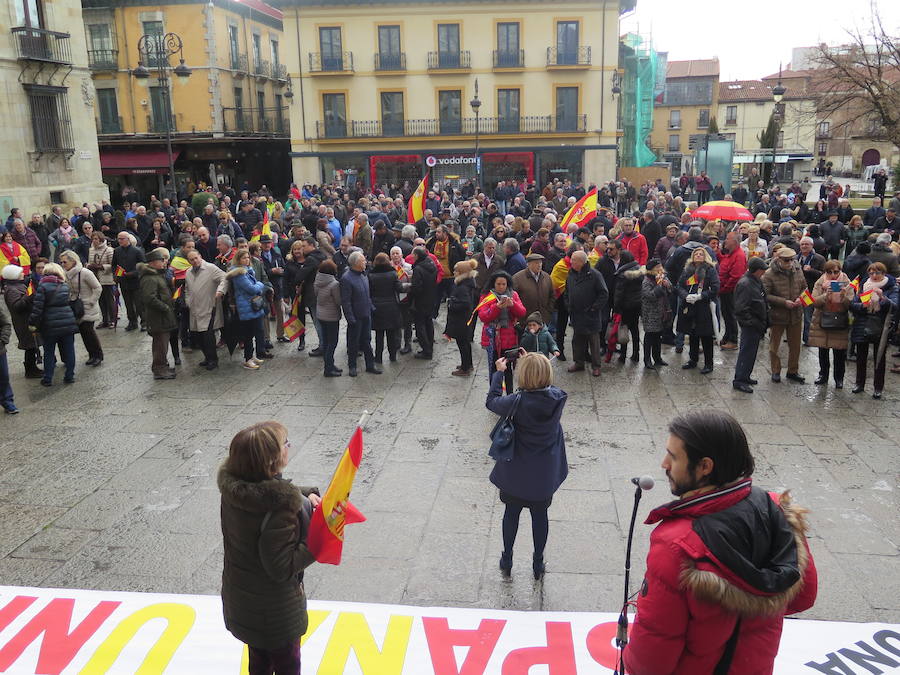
pixel 511 354
pixel 837 286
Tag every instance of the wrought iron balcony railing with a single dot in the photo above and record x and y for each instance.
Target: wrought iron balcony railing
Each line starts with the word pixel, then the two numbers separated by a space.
pixel 37 44
pixel 509 58
pixel 569 56
pixel 389 61
pixel 532 124
pixel 103 59
pixel 445 60
pixel 340 62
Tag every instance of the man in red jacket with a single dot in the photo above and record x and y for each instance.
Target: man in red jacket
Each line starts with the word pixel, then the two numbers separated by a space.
pixel 727 561
pixel 634 241
pixel 732 265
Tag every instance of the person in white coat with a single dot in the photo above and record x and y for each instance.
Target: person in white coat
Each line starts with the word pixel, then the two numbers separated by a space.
pixel 204 302
pixel 84 286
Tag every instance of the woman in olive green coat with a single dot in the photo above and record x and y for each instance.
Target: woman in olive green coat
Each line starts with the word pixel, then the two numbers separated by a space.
pixel 265 520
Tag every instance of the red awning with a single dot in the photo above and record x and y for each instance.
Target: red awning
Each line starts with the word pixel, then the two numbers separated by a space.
pixel 127 162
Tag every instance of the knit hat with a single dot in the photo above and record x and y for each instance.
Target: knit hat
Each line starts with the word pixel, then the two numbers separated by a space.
pixel 536 318
pixel 11 272
pixel 158 254
pixel 756 264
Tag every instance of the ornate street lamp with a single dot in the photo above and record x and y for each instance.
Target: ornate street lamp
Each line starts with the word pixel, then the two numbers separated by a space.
pixel 476 106
pixel 778 92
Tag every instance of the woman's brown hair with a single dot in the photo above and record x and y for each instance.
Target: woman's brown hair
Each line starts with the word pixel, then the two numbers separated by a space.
pixel 255 452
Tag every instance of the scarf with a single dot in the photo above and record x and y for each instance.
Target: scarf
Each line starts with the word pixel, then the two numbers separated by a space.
pixel 874 304
pixel 66 233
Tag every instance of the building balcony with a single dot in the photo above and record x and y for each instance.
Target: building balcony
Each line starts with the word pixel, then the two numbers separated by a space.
pixel 823 134
pixel 103 59
pixel 390 62
pixel 731 121
pixel 262 68
pixel 509 58
pixel 157 124
pixel 240 64
pixel 37 44
pixel 263 122
pixel 461 60
pixel 486 126
pixel 339 63
pixel 279 72
pixel 570 57
pixel 674 125
pixel 109 125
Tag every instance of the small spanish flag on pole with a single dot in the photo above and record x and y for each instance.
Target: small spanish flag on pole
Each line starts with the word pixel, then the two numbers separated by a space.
pixel 293 327
pixel 582 211
pixel 415 210
pixel 177 293
pixel 486 300
pixel 806 298
pixel 692 280
pixel 30 289
pixel 855 284
pixel 865 297
pixel 326 528
pixel 120 271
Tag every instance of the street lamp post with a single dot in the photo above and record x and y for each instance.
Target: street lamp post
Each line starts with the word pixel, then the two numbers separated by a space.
pixel 156 50
pixel 777 94
pixel 476 106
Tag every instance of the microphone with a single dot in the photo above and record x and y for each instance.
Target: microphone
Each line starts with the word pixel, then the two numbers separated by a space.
pixel 644 482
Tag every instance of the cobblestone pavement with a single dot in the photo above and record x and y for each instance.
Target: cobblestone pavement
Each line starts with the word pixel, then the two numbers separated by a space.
pixel 109 483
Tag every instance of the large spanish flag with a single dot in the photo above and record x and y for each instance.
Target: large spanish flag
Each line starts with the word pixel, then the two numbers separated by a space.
pixel 326 529
pixel 266 229
pixel 582 211
pixel 415 210
pixel 486 300
pixel 560 274
pixel 293 327
pixel 180 266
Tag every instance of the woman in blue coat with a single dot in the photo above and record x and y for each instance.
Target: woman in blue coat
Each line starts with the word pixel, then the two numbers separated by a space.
pixel 538 465
pixel 250 303
pixel 52 317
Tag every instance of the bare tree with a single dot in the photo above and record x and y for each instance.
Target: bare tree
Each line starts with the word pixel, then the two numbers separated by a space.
pixel 860 82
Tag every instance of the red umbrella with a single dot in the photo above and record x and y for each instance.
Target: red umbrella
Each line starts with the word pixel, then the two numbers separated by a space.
pixel 723 211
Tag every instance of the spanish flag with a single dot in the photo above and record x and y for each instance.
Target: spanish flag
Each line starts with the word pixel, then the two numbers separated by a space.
pixel 855 284
pixel 865 297
pixel 326 528
pixel 266 229
pixel 30 289
pixel 582 211
pixel 486 300
pixel 806 298
pixel 692 280
pixel 180 265
pixel 415 210
pixel 560 274
pixel 177 293
pixel 120 271
pixel 293 327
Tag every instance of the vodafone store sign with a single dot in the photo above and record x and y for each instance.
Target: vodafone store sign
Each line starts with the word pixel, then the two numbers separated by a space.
pixel 431 160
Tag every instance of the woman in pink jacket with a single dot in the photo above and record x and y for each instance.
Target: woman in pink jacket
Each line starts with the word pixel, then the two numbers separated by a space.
pixel 499 310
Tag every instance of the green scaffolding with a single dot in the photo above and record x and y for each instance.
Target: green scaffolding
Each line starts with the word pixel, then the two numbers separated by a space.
pixel 638 61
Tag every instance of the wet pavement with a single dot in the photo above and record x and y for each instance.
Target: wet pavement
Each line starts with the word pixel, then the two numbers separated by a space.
pixel 109 483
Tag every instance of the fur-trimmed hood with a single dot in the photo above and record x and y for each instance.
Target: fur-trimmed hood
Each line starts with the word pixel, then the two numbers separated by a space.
pixel 259 497
pixel 459 278
pixel 782 572
pixel 236 271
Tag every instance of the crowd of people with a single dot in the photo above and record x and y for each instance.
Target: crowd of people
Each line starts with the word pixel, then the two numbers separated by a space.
pixel 236 268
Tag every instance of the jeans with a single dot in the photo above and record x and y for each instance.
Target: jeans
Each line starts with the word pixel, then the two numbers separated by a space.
pixel 282 661
pixel 840 360
pixel 329 337
pixel 746 359
pixel 731 327
pixel 359 338
pixel 6 392
pixel 66 344
pixel 252 329
pixel 507 374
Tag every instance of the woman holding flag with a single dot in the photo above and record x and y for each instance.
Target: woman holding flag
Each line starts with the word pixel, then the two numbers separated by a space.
pixel 829 328
pixel 698 287
pixel 872 308
pixel 499 310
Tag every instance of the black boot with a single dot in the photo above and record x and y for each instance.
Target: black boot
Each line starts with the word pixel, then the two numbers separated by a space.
pixel 537 566
pixel 506 563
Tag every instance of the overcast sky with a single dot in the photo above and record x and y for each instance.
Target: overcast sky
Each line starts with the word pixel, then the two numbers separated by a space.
pixel 750 37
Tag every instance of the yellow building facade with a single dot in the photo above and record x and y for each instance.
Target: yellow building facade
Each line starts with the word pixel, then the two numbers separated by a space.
pixel 228 120
pixel 384 90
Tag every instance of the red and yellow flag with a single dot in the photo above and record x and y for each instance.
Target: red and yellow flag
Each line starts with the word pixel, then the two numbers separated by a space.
pixel 266 229
pixel 120 271
pixel 560 274
pixel 180 266
pixel 293 327
pixel 326 528
pixel 855 284
pixel 177 293
pixel 692 280
pixel 865 297
pixel 582 211
pixel 806 298
pixel 486 300
pixel 415 210
pixel 30 289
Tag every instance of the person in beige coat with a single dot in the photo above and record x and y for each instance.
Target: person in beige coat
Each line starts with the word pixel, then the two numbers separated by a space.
pixel 202 296
pixel 83 285
pixel 835 307
pixel 99 261
pixel 535 289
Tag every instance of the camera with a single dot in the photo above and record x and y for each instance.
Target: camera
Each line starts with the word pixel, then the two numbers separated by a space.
pixel 511 354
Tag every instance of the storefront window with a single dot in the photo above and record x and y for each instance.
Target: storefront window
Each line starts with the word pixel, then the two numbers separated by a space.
pixel 396 169
pixel 561 164
pixel 515 166
pixel 345 170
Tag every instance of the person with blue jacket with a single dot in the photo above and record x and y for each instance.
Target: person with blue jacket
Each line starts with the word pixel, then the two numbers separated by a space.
pixel 356 302
pixel 538 465
pixel 251 308
pixel 52 317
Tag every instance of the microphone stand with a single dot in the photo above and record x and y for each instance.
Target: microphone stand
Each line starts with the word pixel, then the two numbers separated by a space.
pixel 622 631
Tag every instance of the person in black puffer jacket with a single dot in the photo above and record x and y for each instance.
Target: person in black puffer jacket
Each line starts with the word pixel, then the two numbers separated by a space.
pixel 462 302
pixel 52 316
pixel 384 288
pixel 627 301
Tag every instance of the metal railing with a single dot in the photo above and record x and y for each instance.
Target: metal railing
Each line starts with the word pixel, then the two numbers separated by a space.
pixel 37 44
pixel 279 71
pixel 341 62
pixel 50 121
pixel 109 126
pixel 240 64
pixel 103 59
pixel 157 125
pixel 569 56
pixel 532 124
pixel 509 58
pixel 449 60
pixel 256 121
pixel 262 68
pixel 390 61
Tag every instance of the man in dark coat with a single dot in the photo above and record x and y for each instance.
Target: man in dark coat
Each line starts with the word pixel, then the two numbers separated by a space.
pixel 587 299
pixel 126 257
pixel 273 262
pixel 356 302
pixel 422 294
pixel 489 261
pixel 159 310
pixel 752 312
pixel 515 261
pixel 813 266
pixel 535 289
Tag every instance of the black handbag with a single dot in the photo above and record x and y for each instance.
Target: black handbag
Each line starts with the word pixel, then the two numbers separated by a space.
pixel 834 320
pixel 873 327
pixel 257 303
pixel 503 435
pixel 77 304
